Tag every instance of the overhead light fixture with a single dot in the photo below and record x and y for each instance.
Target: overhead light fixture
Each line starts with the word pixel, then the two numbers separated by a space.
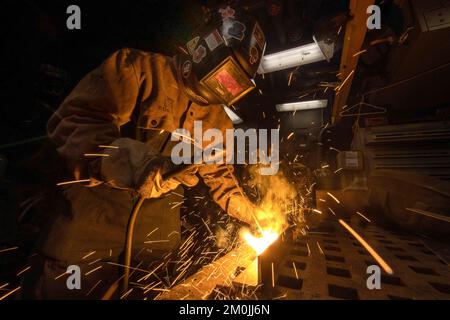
pixel 290 58
pixel 233 116
pixel 302 105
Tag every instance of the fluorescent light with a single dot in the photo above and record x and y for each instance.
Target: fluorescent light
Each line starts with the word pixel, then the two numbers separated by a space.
pixel 302 105
pixel 290 58
pixel 233 116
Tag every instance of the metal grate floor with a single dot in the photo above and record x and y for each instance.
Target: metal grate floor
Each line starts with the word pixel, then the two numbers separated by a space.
pixel 334 265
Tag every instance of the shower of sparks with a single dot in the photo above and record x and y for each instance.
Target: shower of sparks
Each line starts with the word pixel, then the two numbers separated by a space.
pixel 8 249
pixel 207 227
pixel 359 53
pixel 72 182
pixel 369 249
pixel 124 266
pixel 290 136
pixel 126 294
pixel 429 214
pixel 93 270
pixel 23 271
pixel 334 198
pixel 156 241
pixel 173 232
pixel 295 269
pixel 176 204
pixel 338 88
pixel 96 155
pixel 290 79
pixel 108 147
pixel 273 276
pixel 183 136
pixel 60 276
pixel 283 296
pixel 9 293
pixel 368 220
pixel 93 288
pixel 331 210
pixel 334 149
pixel 303 96
pixel 183 49
pixel 152 232
pixel 320 248
pixel 88 255
pixel 95 261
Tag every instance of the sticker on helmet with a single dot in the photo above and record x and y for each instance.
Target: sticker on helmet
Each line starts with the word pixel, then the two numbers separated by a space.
pixel 233 29
pixel 258 36
pixel 186 68
pixel 213 40
pixel 227 13
pixel 254 55
pixel 199 54
pixel 192 44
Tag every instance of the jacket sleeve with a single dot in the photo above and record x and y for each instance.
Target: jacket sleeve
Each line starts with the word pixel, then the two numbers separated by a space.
pixel 227 193
pixel 221 182
pixel 95 110
pixel 220 178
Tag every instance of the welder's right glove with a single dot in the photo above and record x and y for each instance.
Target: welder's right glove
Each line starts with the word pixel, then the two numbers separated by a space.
pixel 131 164
pixel 154 186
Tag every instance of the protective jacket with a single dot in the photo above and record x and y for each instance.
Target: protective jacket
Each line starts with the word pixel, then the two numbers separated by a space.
pixel 141 89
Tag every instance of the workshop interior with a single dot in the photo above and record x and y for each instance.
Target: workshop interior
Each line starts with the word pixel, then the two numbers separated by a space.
pixel 358 91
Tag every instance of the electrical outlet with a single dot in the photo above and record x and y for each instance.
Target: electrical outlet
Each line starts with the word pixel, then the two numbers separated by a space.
pixel 438 18
pixel 432 14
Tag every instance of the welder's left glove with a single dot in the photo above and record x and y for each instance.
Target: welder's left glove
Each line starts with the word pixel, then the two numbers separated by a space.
pixel 242 208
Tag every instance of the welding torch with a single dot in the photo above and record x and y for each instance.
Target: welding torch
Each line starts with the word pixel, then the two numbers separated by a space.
pixel 180 169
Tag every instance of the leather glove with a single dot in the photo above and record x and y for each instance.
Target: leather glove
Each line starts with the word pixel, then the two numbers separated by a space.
pixel 131 164
pixel 241 208
pixel 154 186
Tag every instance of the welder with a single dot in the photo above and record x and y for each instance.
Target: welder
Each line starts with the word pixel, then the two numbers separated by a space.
pixel 114 133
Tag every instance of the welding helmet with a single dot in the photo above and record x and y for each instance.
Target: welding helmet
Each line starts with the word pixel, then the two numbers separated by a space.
pixel 220 60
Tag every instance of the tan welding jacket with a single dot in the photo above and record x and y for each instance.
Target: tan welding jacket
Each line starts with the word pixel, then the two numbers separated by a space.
pixel 130 86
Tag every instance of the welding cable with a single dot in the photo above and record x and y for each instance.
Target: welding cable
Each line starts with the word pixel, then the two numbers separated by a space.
pixel 132 220
pixel 129 243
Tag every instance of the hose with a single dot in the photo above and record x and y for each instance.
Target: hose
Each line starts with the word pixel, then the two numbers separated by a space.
pixel 129 243
pixel 132 220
